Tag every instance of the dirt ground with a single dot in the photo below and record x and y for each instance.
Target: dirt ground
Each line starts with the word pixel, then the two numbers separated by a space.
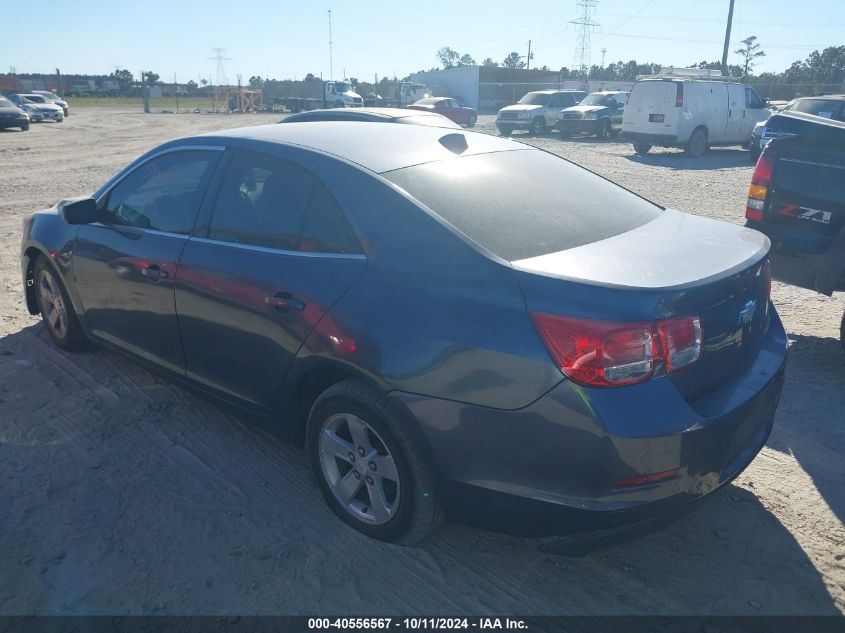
pixel 123 494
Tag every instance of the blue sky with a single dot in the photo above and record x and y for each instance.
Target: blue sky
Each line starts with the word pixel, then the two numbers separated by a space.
pixel 281 38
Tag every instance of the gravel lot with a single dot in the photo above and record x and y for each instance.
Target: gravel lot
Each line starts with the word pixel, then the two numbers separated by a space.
pixel 124 494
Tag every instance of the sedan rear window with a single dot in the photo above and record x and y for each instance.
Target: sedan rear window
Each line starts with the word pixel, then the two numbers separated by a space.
pixel 524 203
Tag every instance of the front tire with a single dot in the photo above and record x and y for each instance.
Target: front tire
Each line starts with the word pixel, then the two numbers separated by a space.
pixel 602 129
pixel 25 127
pixel 538 127
pixel 642 148
pixel 56 309
pixel 472 120
pixel 371 465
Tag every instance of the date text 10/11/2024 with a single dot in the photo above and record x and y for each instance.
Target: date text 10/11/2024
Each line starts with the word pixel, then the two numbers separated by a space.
pixel 420 623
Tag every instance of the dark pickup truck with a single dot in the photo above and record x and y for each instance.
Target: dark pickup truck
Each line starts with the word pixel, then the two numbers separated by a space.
pixel 797 198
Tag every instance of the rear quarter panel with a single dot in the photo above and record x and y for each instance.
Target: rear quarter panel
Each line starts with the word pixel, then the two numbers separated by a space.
pixel 431 315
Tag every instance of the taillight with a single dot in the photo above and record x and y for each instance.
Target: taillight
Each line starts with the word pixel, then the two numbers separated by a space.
pixel 681 341
pixel 611 354
pixel 759 189
pixel 679 95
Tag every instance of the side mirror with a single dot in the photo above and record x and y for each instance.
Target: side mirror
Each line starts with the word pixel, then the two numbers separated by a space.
pixel 81 212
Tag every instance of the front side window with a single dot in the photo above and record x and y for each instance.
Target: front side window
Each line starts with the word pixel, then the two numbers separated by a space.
pixel 163 194
pixel 752 99
pixel 263 201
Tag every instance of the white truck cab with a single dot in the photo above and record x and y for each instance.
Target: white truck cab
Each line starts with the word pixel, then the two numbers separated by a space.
pixel 690 108
pixel 339 94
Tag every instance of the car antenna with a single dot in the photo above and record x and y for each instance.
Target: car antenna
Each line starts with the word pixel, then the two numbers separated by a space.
pixel 455 143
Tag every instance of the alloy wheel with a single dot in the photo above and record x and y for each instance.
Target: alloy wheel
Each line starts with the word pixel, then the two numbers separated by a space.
pixel 52 304
pixel 359 469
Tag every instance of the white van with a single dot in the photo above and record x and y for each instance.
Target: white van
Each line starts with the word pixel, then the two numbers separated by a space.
pixel 675 110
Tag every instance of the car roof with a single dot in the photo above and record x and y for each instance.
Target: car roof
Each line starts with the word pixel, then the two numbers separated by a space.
pixel 375 146
pixel 830 96
pixel 376 113
pixel 608 92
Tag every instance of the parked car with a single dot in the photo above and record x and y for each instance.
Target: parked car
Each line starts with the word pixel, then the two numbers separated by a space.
pixel 450 322
pixel 12 116
pixel 452 109
pixel 599 114
pixel 373 115
pixel 537 111
pixel 825 106
pixel 690 112
pixel 52 96
pixel 38 108
pixel 797 198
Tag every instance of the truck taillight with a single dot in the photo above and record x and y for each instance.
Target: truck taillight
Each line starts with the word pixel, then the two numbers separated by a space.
pixel 612 354
pixel 759 189
pixel 679 95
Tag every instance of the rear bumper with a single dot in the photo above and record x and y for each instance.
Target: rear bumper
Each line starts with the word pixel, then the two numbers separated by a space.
pixel 666 140
pixel 552 467
pixel 800 258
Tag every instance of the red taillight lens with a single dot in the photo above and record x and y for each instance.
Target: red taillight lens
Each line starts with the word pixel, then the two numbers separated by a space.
pixel 610 354
pixel 679 95
pixel 681 341
pixel 763 170
pixel 759 189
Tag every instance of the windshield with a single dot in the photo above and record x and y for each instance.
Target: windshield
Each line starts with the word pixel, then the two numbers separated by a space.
pixel 827 108
pixel 5 103
pixel 534 98
pixel 490 199
pixel 600 100
pixel 35 99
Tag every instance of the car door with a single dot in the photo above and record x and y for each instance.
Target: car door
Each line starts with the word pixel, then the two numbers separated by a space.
pixel 755 110
pixel 555 104
pixel 124 265
pixel 274 254
pixel 735 129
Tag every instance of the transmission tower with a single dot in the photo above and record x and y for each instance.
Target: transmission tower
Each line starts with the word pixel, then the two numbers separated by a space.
pixel 585 25
pixel 221 71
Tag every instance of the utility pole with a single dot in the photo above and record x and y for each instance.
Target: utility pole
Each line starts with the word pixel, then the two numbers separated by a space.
pixel 727 39
pixel 176 88
pixel 585 24
pixel 331 69
pixel 221 71
pixel 145 93
pixel 61 88
pixel 14 73
pixel 528 57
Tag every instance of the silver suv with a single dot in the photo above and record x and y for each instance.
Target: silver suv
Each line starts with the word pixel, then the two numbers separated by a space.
pixel 537 111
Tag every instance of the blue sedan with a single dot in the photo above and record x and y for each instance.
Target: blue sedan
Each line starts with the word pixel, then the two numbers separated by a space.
pixel 453 324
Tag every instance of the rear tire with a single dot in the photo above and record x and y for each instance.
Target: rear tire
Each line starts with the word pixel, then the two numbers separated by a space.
pixel 697 144
pixel 354 430
pixel 472 120
pixel 56 309
pixel 24 127
pixel 538 127
pixel 642 148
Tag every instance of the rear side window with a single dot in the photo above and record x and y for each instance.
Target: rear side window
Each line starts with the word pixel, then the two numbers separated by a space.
pixel 264 201
pixel 524 203
pixel 162 194
pixel 827 108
